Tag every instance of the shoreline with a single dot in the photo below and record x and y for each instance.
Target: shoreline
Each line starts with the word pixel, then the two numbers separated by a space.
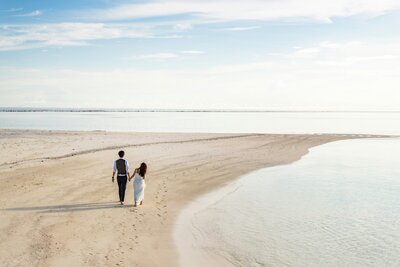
pixel 66 212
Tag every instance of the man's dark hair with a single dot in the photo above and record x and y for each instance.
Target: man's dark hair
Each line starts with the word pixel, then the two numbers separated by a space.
pixel 121 154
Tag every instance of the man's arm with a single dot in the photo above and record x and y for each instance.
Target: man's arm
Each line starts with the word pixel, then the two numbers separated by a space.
pixel 114 171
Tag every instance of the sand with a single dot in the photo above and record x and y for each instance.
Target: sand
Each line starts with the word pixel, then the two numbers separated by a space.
pixel 58 206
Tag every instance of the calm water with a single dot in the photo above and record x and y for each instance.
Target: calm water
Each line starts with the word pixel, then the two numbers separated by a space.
pixel 214 122
pixel 338 206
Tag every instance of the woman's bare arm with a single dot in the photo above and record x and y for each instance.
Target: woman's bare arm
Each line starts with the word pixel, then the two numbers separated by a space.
pixel 134 172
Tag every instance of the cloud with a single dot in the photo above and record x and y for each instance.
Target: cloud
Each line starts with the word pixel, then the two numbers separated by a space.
pixel 236 29
pixel 166 55
pixel 356 60
pixel 14 9
pixel 167 25
pixel 30 36
pixel 162 56
pixel 159 56
pixel 224 10
pixel 182 27
pixel 306 53
pixel 17 37
pixel 192 52
pixel 241 68
pixel 353 75
pixel 34 13
pixel 356 53
pixel 339 45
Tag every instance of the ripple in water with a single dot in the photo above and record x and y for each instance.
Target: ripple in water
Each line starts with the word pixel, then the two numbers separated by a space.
pixel 338 206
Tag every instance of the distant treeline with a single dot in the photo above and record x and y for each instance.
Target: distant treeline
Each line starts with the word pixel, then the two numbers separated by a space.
pixel 117 110
pixel 19 109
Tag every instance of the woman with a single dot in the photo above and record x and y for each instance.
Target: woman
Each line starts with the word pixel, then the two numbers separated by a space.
pixel 139 183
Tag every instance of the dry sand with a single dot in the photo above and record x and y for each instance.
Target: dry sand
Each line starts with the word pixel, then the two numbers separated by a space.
pixel 58 206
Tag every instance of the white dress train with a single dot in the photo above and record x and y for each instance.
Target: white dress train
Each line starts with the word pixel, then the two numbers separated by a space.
pixel 138 188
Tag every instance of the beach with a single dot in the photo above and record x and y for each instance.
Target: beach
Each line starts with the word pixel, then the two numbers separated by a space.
pixel 258 133
pixel 60 208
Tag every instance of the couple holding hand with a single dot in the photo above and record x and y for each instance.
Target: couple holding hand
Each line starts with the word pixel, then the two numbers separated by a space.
pixel 121 167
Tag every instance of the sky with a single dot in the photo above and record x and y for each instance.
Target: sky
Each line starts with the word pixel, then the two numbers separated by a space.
pixel 201 54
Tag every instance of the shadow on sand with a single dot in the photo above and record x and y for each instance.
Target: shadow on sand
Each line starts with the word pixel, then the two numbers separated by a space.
pixel 71 207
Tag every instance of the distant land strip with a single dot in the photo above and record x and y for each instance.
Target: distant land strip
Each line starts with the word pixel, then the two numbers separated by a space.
pixel 29 109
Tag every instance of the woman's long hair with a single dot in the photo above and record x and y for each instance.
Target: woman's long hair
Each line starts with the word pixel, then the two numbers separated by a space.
pixel 142 169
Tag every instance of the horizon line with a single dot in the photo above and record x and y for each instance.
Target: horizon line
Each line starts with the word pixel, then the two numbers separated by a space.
pixel 66 109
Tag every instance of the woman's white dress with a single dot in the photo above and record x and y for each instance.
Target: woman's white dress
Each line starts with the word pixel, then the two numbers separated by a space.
pixel 138 188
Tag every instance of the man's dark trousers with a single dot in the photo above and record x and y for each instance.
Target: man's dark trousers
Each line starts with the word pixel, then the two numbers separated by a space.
pixel 122 180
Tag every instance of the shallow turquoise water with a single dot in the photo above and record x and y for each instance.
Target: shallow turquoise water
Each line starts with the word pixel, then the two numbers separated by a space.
pixel 337 206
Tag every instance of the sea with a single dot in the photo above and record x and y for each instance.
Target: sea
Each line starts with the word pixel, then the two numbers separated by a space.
pixel 339 205
pixel 202 121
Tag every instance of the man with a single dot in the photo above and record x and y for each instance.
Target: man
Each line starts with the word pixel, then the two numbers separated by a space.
pixel 122 167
